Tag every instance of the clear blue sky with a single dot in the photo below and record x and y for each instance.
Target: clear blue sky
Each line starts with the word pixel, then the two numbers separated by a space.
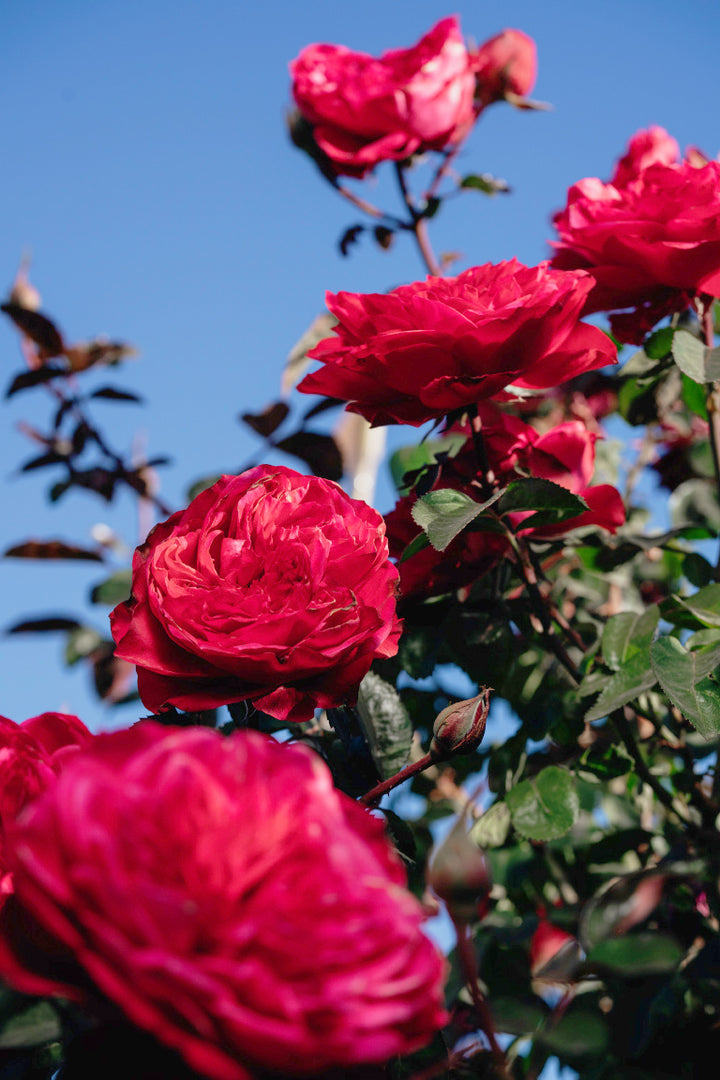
pixel 146 166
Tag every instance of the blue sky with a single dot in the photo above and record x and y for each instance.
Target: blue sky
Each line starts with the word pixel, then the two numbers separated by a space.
pixel 146 166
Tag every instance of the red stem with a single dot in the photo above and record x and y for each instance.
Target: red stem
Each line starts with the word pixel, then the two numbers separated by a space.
pixel 375 794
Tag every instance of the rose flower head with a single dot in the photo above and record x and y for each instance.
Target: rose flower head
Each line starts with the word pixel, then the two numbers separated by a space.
pixel 270 587
pixel 650 237
pixel 505 67
pixel 438 345
pixel 223 895
pixel 364 110
pixel 31 756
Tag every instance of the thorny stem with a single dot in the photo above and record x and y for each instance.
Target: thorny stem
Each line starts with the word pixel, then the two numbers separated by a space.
pixel 468 964
pixel 488 475
pixel 418 224
pixel 539 605
pixel 441 171
pixel 553 609
pixel 625 732
pixel 375 794
pixel 368 207
pixel 713 397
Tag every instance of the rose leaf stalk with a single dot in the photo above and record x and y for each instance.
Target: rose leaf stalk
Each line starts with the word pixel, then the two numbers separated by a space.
pixel 417 224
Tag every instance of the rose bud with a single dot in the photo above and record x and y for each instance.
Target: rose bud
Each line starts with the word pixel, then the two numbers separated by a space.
pixel 459 874
pixel 554 954
pixel 459 728
pixel 505 67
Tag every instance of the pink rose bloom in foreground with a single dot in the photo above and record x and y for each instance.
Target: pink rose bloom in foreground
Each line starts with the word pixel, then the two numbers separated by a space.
pixel 365 110
pixel 426 349
pixel 650 237
pixel 225 897
pixel 270 587
pixel 505 67
pixel 31 756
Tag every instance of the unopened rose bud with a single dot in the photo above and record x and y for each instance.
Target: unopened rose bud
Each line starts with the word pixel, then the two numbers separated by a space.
pixel 505 67
pixel 459 874
pixel 554 954
pixel 459 728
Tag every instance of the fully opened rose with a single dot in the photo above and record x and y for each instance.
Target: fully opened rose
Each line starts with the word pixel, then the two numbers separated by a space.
pixel 270 587
pixel 365 110
pixel 650 237
pixel 427 349
pixel 224 896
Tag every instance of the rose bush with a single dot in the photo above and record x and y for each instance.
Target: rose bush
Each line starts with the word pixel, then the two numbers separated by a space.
pixel 564 454
pixel 505 67
pixel 223 895
pixel 650 237
pixel 428 348
pixel 365 109
pixel 31 755
pixel 270 586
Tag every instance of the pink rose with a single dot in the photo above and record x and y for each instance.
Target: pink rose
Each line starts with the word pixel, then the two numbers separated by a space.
pixel 651 238
pixel 224 896
pixel 271 587
pixel 366 110
pixel 514 449
pixel 505 67
pixel 31 756
pixel 442 344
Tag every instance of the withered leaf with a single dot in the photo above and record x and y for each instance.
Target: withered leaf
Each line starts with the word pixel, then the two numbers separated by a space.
pixel 267 421
pixel 50 549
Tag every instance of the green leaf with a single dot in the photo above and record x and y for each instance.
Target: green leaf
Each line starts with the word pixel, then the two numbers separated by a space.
pixel 489 185
pixel 385 723
pixel 80 643
pixel 659 344
pixel 634 678
pixel 492 828
pixel 546 806
pixel 514 1017
pixel 606 762
pixel 37 1025
pixel 704 606
pixel 636 954
pixel 627 634
pixel 683 676
pixel 443 514
pixel 578 1034
pixel 409 459
pixel 418 544
pixel 693 396
pixel 694 359
pixel 114 589
pixel 537 494
pixel 697 569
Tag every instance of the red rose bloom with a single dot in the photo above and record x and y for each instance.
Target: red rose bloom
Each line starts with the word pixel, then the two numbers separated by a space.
pixel 366 110
pixel 428 348
pixel 224 896
pixel 505 66
pixel 31 756
pixel 565 455
pixel 650 238
pixel 271 587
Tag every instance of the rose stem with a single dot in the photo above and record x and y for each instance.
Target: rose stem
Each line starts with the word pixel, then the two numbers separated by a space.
pixel 713 399
pixel 375 794
pixel 488 481
pixel 468 964
pixel 441 171
pixel 417 224
pixel 368 208
pixel 537 600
